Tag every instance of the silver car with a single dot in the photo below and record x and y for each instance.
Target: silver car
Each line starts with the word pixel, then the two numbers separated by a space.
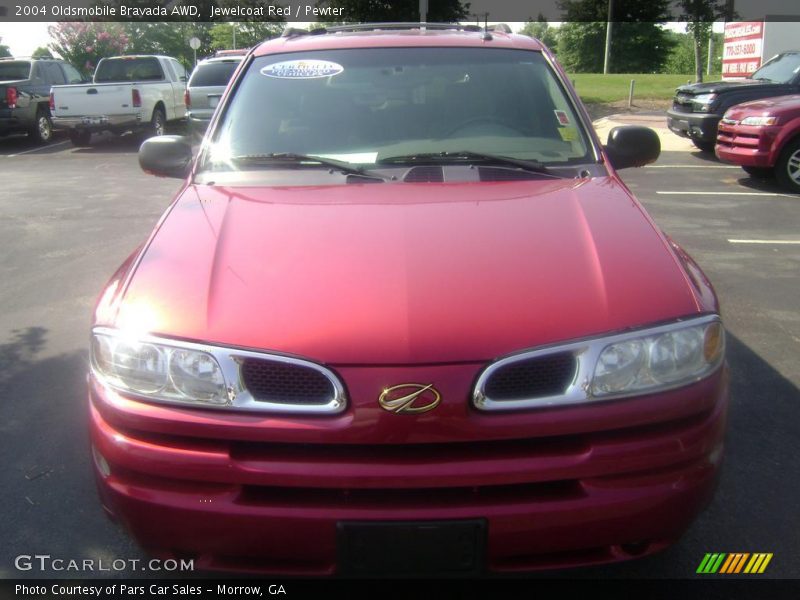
pixel 204 90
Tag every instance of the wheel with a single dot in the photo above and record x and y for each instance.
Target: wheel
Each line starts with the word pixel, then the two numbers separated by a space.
pixel 80 138
pixel 42 129
pixel 482 123
pixel 157 123
pixel 704 146
pixel 787 169
pixel 759 172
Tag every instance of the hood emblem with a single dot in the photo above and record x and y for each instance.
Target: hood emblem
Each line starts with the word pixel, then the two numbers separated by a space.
pixel 410 398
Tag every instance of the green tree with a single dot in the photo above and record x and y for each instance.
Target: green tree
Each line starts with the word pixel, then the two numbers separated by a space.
pixel 42 52
pixel 248 34
pixel 542 31
pixel 638 43
pixel 4 50
pixel 169 39
pixel 682 59
pixel 372 11
pixel 83 43
pixel 700 15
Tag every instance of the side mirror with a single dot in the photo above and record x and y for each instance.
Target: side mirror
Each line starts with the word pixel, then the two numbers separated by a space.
pixel 632 146
pixel 166 156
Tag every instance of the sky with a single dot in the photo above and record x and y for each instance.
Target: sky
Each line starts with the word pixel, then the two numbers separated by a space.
pixel 24 38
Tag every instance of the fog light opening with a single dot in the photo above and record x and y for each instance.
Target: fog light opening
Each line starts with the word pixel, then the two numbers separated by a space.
pixel 101 463
pixel 634 549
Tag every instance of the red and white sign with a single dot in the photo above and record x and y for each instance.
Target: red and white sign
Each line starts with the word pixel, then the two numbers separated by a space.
pixel 741 53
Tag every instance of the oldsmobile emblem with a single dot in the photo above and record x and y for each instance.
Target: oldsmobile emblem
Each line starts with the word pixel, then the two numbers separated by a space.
pixel 410 398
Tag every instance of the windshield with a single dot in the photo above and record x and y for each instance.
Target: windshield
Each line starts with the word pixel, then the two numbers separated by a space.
pixel 781 69
pixel 16 70
pixel 214 74
pixel 128 69
pixel 363 106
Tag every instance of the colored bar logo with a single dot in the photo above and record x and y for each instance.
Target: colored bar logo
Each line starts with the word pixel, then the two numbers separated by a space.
pixel 735 563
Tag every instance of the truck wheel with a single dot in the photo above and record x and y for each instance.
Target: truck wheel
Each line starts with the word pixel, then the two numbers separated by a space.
pixel 787 169
pixel 42 130
pixel 759 172
pixel 80 139
pixel 158 122
pixel 704 146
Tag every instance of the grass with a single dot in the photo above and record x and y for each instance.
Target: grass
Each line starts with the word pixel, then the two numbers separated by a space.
pixel 597 88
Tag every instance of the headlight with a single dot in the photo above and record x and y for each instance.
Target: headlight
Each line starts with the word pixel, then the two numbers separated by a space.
pixel 702 102
pixel 200 375
pixel 664 359
pixel 759 121
pixel 613 366
pixel 159 371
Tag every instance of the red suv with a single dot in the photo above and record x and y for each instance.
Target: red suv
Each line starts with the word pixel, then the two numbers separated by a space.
pixel 404 317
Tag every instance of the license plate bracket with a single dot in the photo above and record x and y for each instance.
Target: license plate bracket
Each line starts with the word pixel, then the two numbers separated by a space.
pixel 411 547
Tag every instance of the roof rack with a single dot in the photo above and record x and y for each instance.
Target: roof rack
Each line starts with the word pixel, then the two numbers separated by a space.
pixel 293 31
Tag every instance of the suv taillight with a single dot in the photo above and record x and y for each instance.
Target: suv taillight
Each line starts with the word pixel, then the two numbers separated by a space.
pixel 137 98
pixel 52 102
pixel 187 99
pixel 11 97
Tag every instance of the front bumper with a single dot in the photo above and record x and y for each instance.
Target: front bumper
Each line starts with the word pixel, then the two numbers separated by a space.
pixel 747 146
pixel 695 126
pixel 215 490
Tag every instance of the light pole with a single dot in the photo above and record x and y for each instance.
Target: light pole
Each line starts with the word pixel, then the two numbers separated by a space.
pixel 607 57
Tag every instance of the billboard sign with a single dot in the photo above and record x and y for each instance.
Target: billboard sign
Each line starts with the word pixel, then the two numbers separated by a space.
pixel 741 54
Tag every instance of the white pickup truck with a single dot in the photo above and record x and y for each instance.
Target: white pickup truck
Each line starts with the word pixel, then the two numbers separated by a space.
pixel 127 93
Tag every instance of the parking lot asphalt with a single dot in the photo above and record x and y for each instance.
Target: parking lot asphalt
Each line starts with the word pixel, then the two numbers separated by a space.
pixel 69 217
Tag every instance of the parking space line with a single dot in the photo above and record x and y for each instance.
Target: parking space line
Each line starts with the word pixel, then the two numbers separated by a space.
pixel 764 241
pixel 37 149
pixel 675 193
pixel 691 167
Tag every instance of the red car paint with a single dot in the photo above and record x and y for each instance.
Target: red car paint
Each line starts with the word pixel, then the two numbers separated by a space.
pixel 758 146
pixel 427 284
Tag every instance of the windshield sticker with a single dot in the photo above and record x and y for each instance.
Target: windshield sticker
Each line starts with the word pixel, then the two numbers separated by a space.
pixel 568 134
pixel 562 117
pixel 302 69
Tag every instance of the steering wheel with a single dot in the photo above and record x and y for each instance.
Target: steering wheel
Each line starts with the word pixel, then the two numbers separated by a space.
pixel 487 123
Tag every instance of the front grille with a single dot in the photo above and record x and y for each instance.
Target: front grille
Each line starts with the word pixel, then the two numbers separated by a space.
pixel 536 377
pixel 273 381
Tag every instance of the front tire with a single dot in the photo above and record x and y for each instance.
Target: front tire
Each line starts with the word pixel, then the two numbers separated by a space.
pixel 704 146
pixel 787 169
pixel 42 130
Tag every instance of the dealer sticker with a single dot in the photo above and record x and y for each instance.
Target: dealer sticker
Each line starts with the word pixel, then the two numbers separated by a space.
pixel 562 117
pixel 302 69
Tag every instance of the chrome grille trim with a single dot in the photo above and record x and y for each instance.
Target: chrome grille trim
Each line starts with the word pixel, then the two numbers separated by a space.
pixel 239 398
pixel 586 353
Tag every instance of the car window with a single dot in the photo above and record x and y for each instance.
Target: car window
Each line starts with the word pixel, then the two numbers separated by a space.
pixel 213 74
pixel 781 69
pixel 140 68
pixel 72 74
pixel 362 106
pixel 53 74
pixel 15 70
pixel 170 71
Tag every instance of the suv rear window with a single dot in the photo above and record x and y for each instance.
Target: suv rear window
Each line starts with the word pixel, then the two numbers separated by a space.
pixel 15 70
pixel 213 74
pixel 129 69
pixel 362 106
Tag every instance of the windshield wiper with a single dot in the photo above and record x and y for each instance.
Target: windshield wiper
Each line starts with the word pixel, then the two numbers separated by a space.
pixel 762 79
pixel 291 157
pixel 533 166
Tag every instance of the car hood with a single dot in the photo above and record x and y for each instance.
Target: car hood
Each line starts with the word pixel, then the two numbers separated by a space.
pixel 403 273
pixel 779 105
pixel 716 87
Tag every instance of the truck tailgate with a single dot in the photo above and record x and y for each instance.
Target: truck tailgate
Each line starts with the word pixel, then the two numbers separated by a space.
pixel 93 100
